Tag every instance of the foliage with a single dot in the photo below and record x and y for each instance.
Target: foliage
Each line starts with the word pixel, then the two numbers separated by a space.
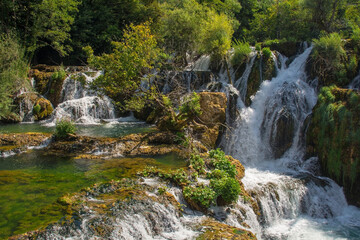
pixel 227 188
pixel 242 51
pixel 13 71
pixel 162 190
pixel 180 26
pixel 36 109
pixel 216 36
pixel 220 162
pixel 202 195
pixel 176 119
pixel 59 75
pixel 64 128
pixel 266 52
pixel 101 22
pixel 328 55
pixel 335 119
pixel 40 23
pixel 190 106
pixel 123 68
pixel 197 163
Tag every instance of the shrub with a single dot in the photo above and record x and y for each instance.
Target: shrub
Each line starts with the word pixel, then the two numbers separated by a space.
pixel 220 162
pixel 328 55
pixel 197 163
pixel 266 52
pixel 242 51
pixel 64 128
pixel 191 106
pixel 258 46
pixel 226 188
pixel 202 195
pixel 59 75
pixel 36 109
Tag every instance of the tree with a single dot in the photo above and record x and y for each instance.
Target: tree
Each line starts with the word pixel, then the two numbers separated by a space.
pixel 180 26
pixel 131 58
pixel 99 22
pixel 39 23
pixel 13 71
pixel 326 14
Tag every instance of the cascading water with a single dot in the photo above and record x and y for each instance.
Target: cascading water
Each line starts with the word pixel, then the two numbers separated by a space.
pixel 82 105
pixel 266 138
pixel 355 84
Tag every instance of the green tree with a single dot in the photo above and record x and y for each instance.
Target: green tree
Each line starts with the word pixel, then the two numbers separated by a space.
pixel 100 22
pixel 180 26
pixel 131 58
pixel 13 71
pixel 39 23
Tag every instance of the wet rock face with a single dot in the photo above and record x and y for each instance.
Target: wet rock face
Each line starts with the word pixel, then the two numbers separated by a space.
pixel 213 108
pixel 282 133
pixel 46 84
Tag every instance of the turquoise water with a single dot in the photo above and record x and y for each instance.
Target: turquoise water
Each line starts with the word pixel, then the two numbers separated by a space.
pixel 114 129
pixel 31 183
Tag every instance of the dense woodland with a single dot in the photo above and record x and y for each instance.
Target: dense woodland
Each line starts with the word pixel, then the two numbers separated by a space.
pixel 132 36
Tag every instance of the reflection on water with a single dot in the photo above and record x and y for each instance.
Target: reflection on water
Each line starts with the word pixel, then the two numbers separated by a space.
pixel 30 184
pixel 111 129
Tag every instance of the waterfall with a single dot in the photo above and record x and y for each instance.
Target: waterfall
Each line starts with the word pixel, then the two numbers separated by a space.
pixel 355 84
pixel 241 83
pixel 81 104
pixel 267 139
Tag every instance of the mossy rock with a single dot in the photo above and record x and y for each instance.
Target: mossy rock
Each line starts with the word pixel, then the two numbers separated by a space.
pixel 42 109
pixel 334 135
pixel 214 230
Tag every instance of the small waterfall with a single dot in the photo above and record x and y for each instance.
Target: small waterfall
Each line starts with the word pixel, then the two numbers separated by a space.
pixel 267 139
pixel 355 84
pixel 241 83
pixel 80 104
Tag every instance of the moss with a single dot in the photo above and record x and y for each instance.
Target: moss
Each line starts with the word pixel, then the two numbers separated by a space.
pixel 216 230
pixel 334 135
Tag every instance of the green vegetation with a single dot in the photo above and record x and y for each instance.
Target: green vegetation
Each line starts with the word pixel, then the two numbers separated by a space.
pixel 13 71
pixel 64 128
pixel 334 133
pixel 328 55
pixel 202 195
pixel 241 52
pixel 224 187
pixel 266 52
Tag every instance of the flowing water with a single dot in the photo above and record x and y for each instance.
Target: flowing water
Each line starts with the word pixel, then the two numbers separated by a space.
pixel 267 138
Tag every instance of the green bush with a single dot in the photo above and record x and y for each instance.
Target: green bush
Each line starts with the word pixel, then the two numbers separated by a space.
pixel 258 46
pixel 242 51
pixel 64 128
pixel 220 162
pixel 197 163
pixel 59 75
pixel 36 109
pixel 226 188
pixel 328 55
pixel 202 195
pixel 266 52
pixel 190 106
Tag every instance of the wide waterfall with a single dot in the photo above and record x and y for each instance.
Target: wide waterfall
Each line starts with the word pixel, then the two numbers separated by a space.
pixel 267 137
pixel 81 104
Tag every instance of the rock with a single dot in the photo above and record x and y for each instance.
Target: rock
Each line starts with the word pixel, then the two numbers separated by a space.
pixel 213 230
pixel 213 108
pixel 282 133
pixel 46 82
pixel 42 108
